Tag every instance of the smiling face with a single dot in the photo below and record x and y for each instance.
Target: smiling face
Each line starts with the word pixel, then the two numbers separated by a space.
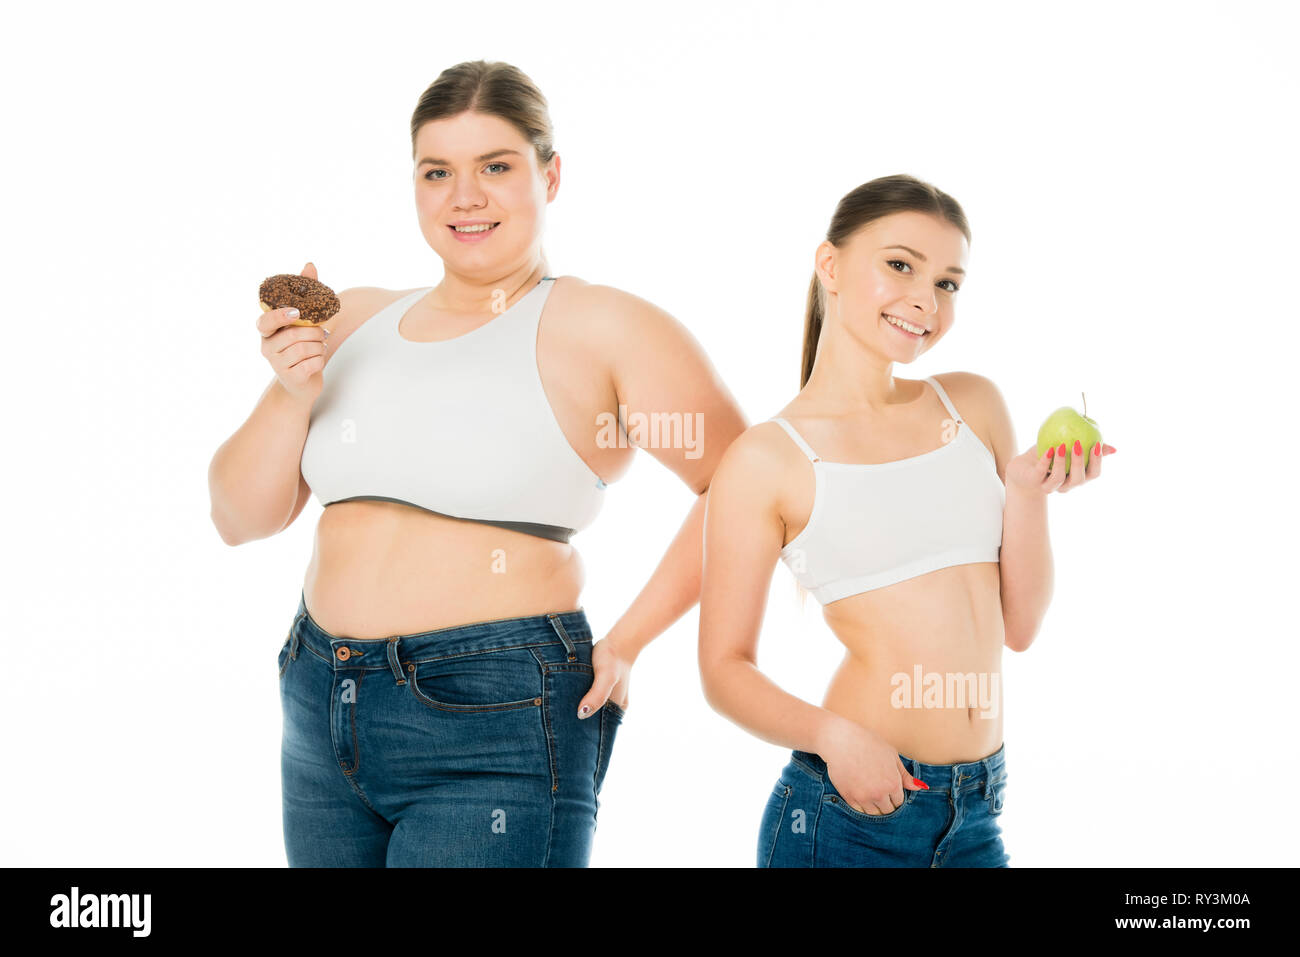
pixel 872 277
pixel 479 169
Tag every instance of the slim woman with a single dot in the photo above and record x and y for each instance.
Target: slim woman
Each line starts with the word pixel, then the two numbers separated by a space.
pixel 902 506
pixel 444 704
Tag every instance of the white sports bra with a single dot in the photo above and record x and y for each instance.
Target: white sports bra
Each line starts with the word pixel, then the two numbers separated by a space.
pixel 460 427
pixel 874 525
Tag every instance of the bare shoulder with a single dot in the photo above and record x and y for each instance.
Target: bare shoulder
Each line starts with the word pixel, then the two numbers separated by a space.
pixel 976 397
pixel 609 311
pixel 964 384
pixel 982 404
pixel 758 467
pixel 356 305
pixel 354 302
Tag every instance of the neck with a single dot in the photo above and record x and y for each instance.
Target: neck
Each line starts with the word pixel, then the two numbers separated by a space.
pixel 479 293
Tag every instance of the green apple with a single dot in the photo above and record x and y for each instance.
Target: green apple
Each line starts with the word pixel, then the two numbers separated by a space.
pixel 1066 425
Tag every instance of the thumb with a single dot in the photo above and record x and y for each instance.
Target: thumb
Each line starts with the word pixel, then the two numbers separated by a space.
pixel 910 783
pixel 309 271
pixel 602 684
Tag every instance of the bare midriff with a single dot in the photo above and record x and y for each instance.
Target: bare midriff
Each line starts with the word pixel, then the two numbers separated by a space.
pixel 380 569
pixel 947 623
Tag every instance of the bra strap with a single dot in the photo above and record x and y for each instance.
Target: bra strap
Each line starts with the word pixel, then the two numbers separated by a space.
pixel 812 456
pixel 947 404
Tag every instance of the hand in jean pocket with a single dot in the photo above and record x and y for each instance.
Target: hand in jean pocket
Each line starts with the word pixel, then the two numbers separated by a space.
pixel 612 667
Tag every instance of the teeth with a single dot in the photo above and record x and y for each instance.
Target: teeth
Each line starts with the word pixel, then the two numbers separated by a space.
pixel 914 330
pixel 481 227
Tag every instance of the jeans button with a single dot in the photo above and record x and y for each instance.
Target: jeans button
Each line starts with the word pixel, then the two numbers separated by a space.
pixel 343 654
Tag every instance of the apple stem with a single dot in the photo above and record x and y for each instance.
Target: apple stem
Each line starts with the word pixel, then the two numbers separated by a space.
pixel 1085 404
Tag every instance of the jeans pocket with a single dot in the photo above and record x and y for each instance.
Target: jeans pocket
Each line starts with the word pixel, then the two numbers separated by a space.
pixel 836 800
pixel 769 830
pixel 996 792
pixel 289 650
pixel 501 680
pixel 611 716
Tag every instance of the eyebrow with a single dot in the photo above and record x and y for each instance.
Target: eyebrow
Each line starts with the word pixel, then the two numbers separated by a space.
pixel 921 256
pixel 477 159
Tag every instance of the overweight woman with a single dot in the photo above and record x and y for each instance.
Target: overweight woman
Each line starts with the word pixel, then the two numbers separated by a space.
pixel 902 505
pixel 443 701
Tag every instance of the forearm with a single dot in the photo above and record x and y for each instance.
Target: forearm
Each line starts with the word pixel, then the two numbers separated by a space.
pixel 736 689
pixel 253 478
pixel 1026 566
pixel 672 590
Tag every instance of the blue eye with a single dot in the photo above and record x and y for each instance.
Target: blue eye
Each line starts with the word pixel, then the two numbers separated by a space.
pixel 429 175
pixel 900 262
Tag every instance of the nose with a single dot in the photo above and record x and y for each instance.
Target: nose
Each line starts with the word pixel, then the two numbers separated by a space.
pixel 467 194
pixel 924 302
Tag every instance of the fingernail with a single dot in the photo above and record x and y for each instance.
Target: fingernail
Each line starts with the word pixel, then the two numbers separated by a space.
pixel 1061 450
pixel 1078 447
pixel 1096 449
pixel 919 783
pixel 327 333
pixel 293 313
pixel 1051 453
pixel 582 712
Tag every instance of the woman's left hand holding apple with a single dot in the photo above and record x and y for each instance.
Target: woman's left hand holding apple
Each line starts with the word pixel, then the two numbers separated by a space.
pixel 1031 472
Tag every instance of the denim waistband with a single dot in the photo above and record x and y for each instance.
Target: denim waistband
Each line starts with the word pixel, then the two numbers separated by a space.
pixel 498 634
pixel 940 777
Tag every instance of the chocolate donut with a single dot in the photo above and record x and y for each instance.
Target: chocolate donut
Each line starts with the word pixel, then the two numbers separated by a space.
pixel 314 300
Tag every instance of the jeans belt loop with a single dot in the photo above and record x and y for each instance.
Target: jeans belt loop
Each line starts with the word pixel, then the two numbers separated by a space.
pixel 558 625
pixel 392 659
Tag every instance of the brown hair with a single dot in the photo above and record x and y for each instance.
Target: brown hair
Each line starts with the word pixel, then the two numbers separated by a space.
pixel 862 206
pixel 491 87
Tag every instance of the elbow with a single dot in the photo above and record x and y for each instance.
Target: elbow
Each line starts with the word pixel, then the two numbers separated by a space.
pixel 227 535
pixel 718 677
pixel 215 512
pixel 711 681
pixel 708 684
pixel 1019 639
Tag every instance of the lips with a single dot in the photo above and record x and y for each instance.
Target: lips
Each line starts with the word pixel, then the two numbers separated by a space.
pixel 901 331
pixel 477 235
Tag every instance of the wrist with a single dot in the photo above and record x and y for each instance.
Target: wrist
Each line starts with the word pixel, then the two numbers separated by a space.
pixel 294 403
pixel 1022 494
pixel 829 732
pixel 624 645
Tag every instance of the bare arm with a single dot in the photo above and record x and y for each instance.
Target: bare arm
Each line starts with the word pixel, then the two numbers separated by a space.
pixel 680 412
pixel 668 385
pixel 744 532
pixel 1026 567
pixel 255 480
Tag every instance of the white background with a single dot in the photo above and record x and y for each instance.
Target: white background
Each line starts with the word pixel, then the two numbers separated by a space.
pixel 1129 174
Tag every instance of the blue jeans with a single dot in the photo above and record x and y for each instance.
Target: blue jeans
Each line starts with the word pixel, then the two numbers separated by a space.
pixel 806 822
pixel 459 747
